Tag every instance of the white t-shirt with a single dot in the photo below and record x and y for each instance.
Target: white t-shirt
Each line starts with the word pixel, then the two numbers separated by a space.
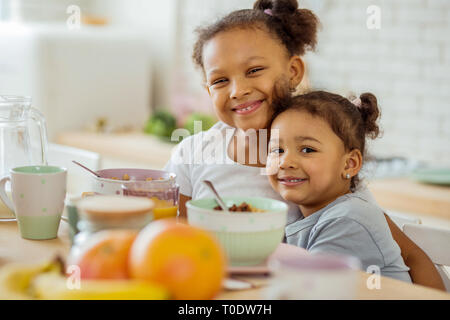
pixel 204 156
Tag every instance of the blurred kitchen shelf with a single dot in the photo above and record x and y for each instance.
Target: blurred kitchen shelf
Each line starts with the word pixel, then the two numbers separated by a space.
pixel 134 149
pixel 390 167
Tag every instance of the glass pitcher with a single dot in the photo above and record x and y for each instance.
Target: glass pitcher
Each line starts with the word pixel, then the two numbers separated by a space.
pixel 23 137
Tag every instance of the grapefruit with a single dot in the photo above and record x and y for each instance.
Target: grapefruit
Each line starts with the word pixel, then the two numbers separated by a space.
pixel 188 261
pixel 105 255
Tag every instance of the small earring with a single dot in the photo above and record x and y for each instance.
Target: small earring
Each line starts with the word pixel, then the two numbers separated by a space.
pixel 347 176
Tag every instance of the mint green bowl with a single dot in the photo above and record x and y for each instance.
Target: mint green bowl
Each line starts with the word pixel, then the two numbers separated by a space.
pixel 438 176
pixel 248 238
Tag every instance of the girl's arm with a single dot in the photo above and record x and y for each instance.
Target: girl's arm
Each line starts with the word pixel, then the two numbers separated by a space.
pixel 422 269
pixel 345 235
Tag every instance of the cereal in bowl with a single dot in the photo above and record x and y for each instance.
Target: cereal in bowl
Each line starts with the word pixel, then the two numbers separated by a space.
pixel 243 207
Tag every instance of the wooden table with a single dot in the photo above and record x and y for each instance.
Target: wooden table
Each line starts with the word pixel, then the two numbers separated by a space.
pixel 15 249
pixel 406 195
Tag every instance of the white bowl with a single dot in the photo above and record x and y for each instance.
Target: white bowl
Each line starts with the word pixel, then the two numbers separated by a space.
pixel 247 237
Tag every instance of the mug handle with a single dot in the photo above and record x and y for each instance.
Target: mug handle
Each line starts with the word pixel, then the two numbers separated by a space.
pixel 37 116
pixel 5 198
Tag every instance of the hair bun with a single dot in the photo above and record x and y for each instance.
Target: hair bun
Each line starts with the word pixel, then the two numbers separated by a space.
pixel 277 6
pixel 298 26
pixel 370 113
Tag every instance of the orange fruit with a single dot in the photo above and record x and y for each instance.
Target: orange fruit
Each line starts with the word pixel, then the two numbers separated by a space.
pixel 105 255
pixel 188 261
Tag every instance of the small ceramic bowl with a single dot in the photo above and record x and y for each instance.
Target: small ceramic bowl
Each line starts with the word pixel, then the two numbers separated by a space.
pixel 247 237
pixel 313 276
pixel 111 180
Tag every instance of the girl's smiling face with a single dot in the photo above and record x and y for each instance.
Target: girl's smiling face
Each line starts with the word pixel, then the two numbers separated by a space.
pixel 241 68
pixel 311 160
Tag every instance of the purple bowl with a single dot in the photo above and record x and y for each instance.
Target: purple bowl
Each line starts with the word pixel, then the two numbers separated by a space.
pixel 135 174
pixel 317 262
pixel 107 185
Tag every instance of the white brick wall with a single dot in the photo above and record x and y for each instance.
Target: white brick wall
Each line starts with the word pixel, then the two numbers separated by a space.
pixel 406 64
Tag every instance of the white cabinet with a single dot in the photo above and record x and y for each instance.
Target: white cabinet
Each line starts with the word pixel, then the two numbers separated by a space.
pixel 77 76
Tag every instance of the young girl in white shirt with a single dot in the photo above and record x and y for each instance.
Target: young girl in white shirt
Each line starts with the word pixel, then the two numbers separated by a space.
pixel 244 57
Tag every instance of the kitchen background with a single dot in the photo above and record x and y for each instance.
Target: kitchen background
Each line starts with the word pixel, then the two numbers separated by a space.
pixel 131 57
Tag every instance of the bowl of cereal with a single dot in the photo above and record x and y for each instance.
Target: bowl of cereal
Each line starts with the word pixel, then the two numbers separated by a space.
pixel 111 180
pixel 249 232
pixel 157 185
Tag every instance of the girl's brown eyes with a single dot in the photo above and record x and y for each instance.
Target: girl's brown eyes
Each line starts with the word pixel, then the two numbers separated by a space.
pixel 307 150
pixel 276 150
pixel 303 150
pixel 254 70
pixel 218 81
pixel 250 72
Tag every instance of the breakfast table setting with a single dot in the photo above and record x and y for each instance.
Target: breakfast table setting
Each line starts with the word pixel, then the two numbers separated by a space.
pixel 15 249
pixel 249 279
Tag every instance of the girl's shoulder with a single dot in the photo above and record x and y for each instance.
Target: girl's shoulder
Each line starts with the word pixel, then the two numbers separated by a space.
pixel 358 206
pixel 201 145
pixel 219 125
pixel 219 128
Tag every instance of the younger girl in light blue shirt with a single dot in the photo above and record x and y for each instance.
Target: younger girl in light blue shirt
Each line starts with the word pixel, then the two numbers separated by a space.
pixel 316 150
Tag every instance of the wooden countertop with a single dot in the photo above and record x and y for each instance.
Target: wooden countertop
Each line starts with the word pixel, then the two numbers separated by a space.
pixel 390 289
pixel 135 146
pixel 395 194
pixel 15 249
pixel 407 195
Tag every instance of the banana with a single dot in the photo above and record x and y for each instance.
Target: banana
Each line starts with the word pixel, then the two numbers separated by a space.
pixel 47 281
pixel 15 278
pixel 52 286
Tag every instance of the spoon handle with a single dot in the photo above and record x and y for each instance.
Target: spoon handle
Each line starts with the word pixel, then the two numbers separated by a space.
pixel 217 197
pixel 86 168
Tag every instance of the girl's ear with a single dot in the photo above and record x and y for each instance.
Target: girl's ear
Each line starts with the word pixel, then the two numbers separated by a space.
pixel 296 71
pixel 353 164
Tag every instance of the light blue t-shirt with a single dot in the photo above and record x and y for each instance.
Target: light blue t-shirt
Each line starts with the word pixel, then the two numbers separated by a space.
pixel 351 225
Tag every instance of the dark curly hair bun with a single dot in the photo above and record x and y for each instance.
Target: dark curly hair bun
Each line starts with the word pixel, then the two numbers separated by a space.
pixel 299 26
pixel 370 113
pixel 295 28
pixel 277 6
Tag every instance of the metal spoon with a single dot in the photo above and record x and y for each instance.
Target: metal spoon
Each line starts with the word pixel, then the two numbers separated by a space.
pixel 216 195
pixel 86 168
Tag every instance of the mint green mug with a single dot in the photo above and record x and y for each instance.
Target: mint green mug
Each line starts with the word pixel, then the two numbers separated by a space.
pixel 38 194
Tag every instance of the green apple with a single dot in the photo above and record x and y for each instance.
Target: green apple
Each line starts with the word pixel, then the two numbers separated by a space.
pixel 162 123
pixel 207 121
